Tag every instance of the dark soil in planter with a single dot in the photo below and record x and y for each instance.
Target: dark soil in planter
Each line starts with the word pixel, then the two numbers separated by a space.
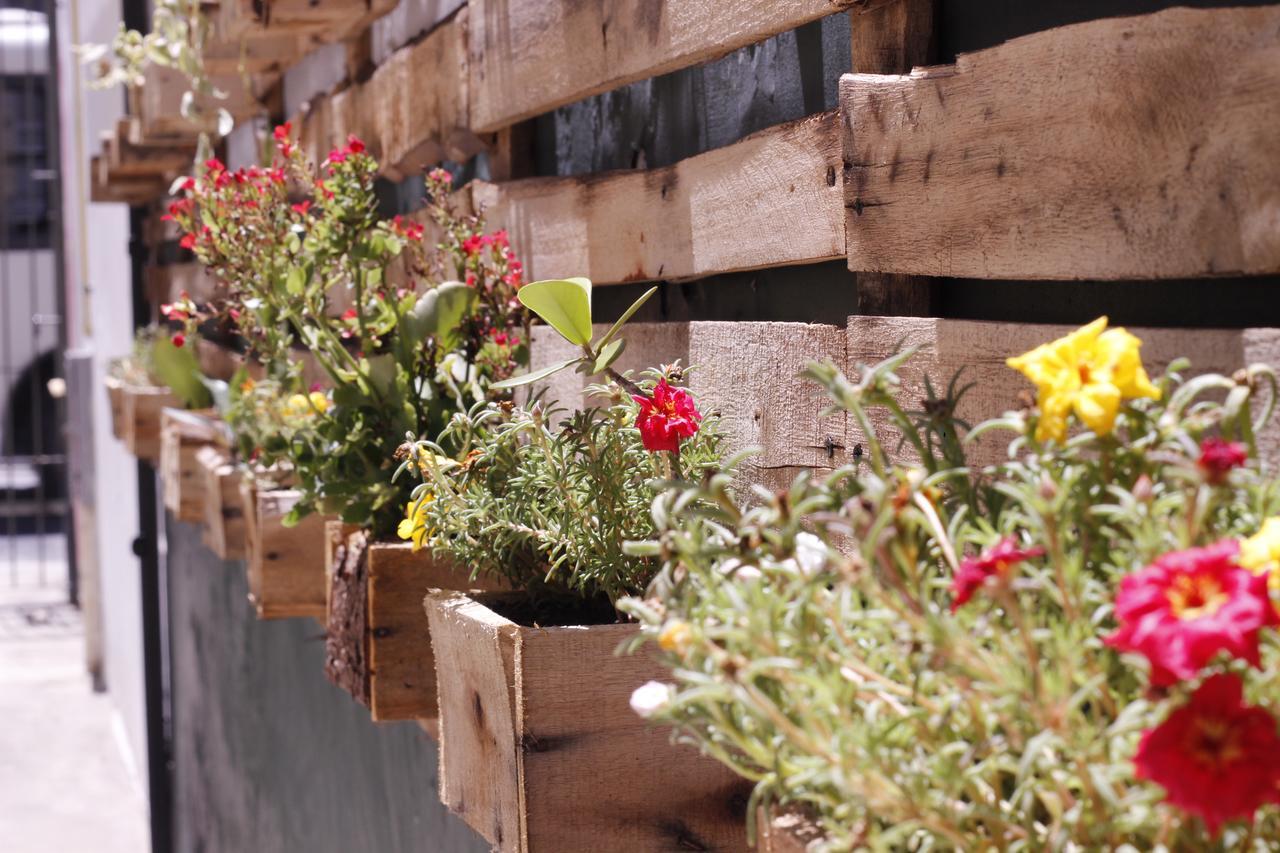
pixel 543 609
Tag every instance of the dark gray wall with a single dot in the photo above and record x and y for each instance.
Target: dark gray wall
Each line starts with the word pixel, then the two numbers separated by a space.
pixel 270 757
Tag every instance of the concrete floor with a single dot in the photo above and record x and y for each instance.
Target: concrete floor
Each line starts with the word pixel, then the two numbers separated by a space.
pixel 66 784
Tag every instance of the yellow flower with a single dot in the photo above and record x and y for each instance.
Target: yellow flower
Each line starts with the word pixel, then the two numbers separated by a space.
pixel 1089 372
pixel 1261 551
pixel 414 525
pixel 306 405
pixel 675 637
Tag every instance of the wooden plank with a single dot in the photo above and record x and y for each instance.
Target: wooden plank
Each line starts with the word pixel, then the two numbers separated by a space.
pixel 772 199
pixel 115 399
pixel 409 21
pixel 981 349
pixel 284 565
pixel 531 56
pixel 584 765
pixel 432 125
pixel 892 39
pixel 402 668
pixel 167 282
pixel 346 633
pixel 142 406
pixel 127 160
pixel 182 435
pixel 745 372
pixel 224 518
pixel 158 102
pixel 1124 148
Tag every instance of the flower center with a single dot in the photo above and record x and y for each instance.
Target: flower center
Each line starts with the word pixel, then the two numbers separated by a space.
pixel 1196 596
pixel 1214 743
pixel 1083 370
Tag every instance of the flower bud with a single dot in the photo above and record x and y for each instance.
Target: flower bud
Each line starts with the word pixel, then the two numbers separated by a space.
pixel 650 698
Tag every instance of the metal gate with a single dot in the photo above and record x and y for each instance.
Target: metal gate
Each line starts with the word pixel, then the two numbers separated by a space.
pixel 34 512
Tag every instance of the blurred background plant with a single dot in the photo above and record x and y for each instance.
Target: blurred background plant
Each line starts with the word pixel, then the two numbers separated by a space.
pixel 920 656
pixel 156 360
pixel 305 263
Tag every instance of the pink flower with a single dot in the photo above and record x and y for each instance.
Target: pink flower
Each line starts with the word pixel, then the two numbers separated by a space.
pixel 666 418
pixel 1218 457
pixel 994 562
pixel 188 241
pixel 499 238
pixel 189 184
pixel 1215 756
pixel 214 165
pixel 302 207
pixel 1187 607
pixel 440 176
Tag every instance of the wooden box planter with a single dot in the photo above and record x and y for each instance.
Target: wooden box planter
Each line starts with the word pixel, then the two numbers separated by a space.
pixel 183 435
pixel 540 750
pixel 377 642
pixel 115 399
pixel 142 407
pixel 285 565
pixel 224 519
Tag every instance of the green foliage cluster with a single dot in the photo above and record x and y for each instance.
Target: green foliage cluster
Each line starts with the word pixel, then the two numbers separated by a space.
pixel 510 493
pixel 815 651
pixel 155 360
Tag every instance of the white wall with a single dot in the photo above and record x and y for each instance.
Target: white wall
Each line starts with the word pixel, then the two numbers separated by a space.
pixel 100 317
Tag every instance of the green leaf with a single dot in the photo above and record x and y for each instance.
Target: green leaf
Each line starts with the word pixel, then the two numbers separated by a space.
pixel 609 354
pixel 177 367
pixel 626 315
pixel 517 381
pixel 295 281
pixel 565 304
pixel 439 312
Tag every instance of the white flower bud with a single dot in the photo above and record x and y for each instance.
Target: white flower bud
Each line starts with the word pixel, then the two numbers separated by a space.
pixel 650 698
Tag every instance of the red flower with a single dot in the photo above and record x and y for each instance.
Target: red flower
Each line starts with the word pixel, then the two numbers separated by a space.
pixel 1216 757
pixel 1218 457
pixel 189 184
pixel 179 339
pixel 440 176
pixel 473 244
pixel 1188 606
pixel 323 190
pixel 337 155
pixel 213 164
pixel 993 562
pixel 498 238
pixel 471 279
pixel 302 207
pixel 349 314
pixel 354 145
pixel 188 241
pixel 666 418
pixel 282 131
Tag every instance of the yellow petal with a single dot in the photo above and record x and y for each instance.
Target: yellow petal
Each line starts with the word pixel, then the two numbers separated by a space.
pixel 1096 405
pixel 405 529
pixel 1121 351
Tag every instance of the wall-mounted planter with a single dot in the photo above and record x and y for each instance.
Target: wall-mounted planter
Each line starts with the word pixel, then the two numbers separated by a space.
pixel 540 750
pixel 183 435
pixel 378 646
pixel 224 519
pixel 142 407
pixel 115 399
pixel 285 565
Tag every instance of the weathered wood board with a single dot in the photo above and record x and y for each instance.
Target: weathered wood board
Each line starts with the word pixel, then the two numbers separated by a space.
pixel 530 56
pixel 540 750
pixel 980 350
pixel 1124 148
pixel 142 406
pixel 115 401
pixel 773 199
pixel 182 435
pixel 744 372
pixel 224 519
pixel 285 565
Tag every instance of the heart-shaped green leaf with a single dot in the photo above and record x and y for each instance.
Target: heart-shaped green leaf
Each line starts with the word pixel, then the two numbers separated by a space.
pixel 439 312
pixel 178 368
pixel 565 304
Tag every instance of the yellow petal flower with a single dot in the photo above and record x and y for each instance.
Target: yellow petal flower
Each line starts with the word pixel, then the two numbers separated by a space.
pixel 1090 372
pixel 319 401
pixel 414 525
pixel 1261 551
pixel 675 637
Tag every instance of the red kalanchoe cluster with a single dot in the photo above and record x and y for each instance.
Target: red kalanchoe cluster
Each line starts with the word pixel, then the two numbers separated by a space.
pixel 407 228
pixel 1187 607
pixel 666 417
pixel 1215 756
pixel 994 562
pixel 281 134
pixel 1218 457
pixel 339 155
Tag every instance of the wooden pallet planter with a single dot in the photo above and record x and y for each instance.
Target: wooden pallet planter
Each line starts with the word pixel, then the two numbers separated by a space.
pixel 284 565
pixel 225 528
pixel 157 104
pixel 540 750
pixel 142 407
pixel 378 647
pixel 108 187
pixel 1123 148
pixel 182 483
pixel 115 403
pixel 323 20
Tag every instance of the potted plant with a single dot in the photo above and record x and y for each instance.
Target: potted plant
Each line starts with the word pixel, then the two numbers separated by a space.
pixel 538 748
pixel 1076 648
pixel 407 322
pixel 158 374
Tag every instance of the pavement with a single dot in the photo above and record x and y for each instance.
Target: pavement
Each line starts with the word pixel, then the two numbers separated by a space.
pixel 66 780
